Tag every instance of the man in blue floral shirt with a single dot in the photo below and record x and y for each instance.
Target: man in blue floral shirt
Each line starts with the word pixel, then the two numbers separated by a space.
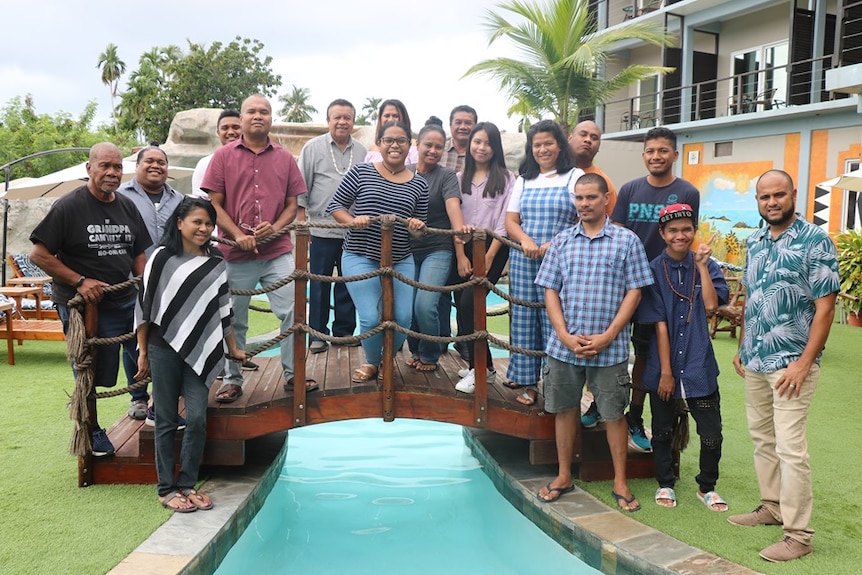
pixel 791 279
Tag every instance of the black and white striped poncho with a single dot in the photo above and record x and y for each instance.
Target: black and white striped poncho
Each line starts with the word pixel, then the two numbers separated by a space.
pixel 187 296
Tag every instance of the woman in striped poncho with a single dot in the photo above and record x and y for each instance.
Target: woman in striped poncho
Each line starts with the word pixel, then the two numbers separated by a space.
pixel 183 317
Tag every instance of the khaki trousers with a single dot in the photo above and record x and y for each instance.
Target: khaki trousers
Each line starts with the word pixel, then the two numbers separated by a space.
pixel 777 427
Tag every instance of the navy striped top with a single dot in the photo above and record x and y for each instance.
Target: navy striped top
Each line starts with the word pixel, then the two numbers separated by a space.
pixel 364 192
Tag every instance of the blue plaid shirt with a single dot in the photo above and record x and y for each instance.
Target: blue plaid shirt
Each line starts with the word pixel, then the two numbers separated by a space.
pixel 592 276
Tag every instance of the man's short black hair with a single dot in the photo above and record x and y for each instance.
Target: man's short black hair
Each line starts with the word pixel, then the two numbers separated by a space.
pixel 590 178
pixel 229 113
pixel 661 132
pixel 339 102
pixel 463 108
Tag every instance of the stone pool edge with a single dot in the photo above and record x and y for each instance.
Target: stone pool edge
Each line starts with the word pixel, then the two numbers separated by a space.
pixel 600 536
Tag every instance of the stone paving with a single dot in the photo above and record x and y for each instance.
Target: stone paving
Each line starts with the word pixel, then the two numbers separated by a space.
pixel 614 543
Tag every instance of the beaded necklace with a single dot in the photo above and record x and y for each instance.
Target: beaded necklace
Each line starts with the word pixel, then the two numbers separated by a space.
pixel 689 298
pixel 335 164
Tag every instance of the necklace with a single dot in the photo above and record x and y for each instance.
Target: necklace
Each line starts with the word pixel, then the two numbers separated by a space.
pixel 335 164
pixel 689 298
pixel 391 171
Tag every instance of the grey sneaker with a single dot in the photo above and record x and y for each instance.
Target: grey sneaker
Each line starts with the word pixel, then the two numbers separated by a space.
pixel 760 516
pixel 138 409
pixel 786 550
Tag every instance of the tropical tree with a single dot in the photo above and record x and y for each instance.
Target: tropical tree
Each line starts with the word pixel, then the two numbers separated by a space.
pixel 371 108
pixel 169 81
pixel 112 69
pixel 23 132
pixel 564 56
pixel 296 107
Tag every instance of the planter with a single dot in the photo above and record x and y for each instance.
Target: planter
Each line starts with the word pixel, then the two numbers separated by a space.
pixel 854 319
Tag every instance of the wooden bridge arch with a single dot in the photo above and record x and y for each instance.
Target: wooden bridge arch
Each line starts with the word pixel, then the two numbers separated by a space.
pixel 268 406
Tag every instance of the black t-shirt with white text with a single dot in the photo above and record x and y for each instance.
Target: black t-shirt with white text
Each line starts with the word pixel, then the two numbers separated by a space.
pixel 95 239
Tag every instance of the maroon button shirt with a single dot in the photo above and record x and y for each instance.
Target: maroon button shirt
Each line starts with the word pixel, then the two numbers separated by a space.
pixel 256 187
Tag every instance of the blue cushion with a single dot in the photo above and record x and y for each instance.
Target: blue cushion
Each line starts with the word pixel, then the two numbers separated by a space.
pixel 29 269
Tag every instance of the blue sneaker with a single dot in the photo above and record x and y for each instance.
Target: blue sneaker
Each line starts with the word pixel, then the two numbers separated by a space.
pixel 638 439
pixel 102 446
pixel 591 418
pixel 151 419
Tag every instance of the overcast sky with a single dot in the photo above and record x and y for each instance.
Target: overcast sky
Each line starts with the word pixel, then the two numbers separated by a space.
pixel 414 51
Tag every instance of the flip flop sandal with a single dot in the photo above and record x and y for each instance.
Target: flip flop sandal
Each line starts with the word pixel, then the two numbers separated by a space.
pixel 364 373
pixel 628 501
pixel 177 495
pixel 414 359
pixel 423 365
pixel 556 493
pixel 711 498
pixel 310 384
pixel 233 391
pixel 511 384
pixel 199 500
pixel 665 493
pixel 528 396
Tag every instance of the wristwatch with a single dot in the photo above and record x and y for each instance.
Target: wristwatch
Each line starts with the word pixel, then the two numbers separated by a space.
pixel 80 282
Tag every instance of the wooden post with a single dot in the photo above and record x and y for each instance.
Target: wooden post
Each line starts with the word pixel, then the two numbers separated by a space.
pixel 85 463
pixel 299 338
pixel 387 225
pixel 480 323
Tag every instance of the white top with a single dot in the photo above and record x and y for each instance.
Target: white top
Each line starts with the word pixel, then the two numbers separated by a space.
pixel 549 180
pixel 198 177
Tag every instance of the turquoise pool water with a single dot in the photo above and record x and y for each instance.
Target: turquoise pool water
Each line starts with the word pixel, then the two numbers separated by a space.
pixel 367 497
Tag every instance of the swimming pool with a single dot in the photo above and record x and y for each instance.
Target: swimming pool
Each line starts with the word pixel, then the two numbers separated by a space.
pixel 363 496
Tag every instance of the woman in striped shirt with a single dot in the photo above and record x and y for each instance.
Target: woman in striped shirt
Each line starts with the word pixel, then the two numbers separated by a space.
pixel 183 316
pixel 368 191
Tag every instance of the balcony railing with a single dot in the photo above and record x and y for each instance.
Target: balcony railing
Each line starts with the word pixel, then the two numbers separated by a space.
pixel 795 84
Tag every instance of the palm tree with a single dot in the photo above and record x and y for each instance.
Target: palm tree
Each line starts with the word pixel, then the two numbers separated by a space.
pixel 112 68
pixel 564 55
pixel 296 107
pixel 370 108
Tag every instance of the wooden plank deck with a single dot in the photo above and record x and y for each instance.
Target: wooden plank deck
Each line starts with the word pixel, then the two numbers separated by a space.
pixel 267 407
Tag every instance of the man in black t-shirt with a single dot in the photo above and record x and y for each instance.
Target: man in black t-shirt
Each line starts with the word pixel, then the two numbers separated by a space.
pixel 637 208
pixel 90 239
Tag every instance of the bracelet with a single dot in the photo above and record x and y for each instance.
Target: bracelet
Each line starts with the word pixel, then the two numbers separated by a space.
pixel 80 282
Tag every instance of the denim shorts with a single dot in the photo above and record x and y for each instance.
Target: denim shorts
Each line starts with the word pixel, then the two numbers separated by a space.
pixel 641 335
pixel 564 384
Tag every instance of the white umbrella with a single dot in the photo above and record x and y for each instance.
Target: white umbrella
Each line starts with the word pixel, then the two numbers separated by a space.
pixel 64 181
pixel 850 181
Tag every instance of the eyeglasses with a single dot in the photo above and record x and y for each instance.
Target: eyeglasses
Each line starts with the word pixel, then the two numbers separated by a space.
pixel 387 141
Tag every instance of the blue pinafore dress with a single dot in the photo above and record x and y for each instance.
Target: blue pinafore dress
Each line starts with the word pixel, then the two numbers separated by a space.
pixel 545 212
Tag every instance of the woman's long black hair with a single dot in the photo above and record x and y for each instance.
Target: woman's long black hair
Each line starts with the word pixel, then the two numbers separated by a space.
pixel 498 175
pixel 529 168
pixel 172 239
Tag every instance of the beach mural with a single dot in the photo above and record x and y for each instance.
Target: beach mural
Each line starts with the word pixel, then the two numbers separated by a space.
pixel 728 210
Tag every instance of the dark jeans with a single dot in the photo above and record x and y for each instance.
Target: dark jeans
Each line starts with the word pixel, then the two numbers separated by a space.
pixel 466 324
pixel 706 412
pixel 113 322
pixel 324 255
pixel 172 377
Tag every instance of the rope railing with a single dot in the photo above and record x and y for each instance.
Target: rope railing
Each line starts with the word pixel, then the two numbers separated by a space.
pixel 80 347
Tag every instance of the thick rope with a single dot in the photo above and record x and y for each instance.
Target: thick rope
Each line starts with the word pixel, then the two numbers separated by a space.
pixel 80 349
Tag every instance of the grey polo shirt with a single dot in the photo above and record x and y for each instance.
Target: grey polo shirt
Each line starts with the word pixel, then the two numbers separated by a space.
pixel 155 217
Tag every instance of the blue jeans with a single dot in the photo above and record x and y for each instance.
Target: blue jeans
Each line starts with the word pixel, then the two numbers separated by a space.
pixel 113 321
pixel 324 256
pixel 368 297
pixel 246 276
pixel 432 268
pixel 172 377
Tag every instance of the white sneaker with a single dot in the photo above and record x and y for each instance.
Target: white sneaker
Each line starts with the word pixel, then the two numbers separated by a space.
pixel 492 374
pixel 467 384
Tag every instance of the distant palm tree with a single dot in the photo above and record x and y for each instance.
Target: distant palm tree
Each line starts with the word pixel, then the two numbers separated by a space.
pixel 564 55
pixel 112 69
pixel 296 107
pixel 370 108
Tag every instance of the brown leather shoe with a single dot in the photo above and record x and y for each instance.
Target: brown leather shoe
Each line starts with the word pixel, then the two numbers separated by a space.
pixel 786 550
pixel 760 516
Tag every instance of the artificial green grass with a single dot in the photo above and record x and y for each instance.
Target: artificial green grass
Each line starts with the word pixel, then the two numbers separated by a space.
pixel 834 439
pixel 47 523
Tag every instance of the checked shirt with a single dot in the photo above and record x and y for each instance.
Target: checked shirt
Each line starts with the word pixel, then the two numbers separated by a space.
pixel 592 276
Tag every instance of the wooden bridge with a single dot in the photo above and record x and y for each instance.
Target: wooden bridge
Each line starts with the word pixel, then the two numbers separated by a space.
pixel 266 406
